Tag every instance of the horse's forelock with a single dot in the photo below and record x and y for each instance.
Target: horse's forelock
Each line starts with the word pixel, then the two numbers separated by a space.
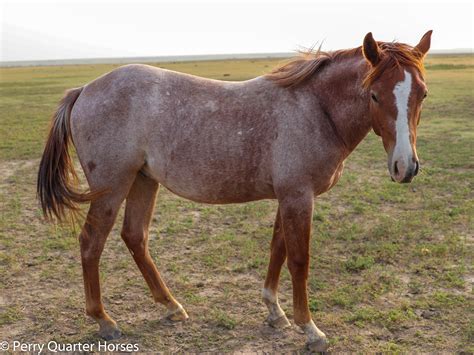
pixel 394 55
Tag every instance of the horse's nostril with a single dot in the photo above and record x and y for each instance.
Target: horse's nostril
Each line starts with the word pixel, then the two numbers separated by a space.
pixel 417 167
pixel 395 168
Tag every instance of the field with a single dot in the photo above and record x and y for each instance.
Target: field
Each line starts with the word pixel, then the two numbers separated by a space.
pixel 391 268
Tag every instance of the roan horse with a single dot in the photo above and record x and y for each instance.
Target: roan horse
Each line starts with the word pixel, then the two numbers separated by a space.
pixel 284 136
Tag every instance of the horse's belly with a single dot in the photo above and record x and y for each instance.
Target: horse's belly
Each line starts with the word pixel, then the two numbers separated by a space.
pixel 212 185
pixel 219 193
pixel 222 197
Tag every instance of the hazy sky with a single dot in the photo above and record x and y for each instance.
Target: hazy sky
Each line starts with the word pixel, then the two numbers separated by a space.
pixel 35 30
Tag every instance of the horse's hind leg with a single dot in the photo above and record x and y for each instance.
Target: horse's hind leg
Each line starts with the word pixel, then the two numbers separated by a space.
pixel 277 317
pixel 99 222
pixel 138 213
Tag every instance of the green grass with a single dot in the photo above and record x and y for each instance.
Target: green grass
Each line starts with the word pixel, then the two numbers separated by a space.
pixel 10 315
pixel 358 263
pixel 391 267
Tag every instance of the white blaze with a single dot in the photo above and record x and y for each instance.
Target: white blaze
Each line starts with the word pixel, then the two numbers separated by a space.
pixel 402 152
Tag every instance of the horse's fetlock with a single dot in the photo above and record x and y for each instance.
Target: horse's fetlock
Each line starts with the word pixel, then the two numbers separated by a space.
pixel 95 312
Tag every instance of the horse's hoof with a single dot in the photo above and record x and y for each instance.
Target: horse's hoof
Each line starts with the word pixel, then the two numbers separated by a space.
pixel 318 346
pixel 278 323
pixel 110 333
pixel 177 315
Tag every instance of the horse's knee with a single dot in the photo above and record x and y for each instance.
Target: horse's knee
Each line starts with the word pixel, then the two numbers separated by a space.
pixel 298 268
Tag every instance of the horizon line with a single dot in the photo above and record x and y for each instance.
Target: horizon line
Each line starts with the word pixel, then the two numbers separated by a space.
pixel 179 58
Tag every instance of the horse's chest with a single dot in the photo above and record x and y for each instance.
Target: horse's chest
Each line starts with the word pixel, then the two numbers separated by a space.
pixel 325 184
pixel 337 175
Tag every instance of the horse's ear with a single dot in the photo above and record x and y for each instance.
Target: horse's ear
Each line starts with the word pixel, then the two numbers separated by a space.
pixel 424 46
pixel 371 49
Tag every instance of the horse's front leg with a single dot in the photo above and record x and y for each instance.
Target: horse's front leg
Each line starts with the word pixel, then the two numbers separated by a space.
pixel 296 214
pixel 276 317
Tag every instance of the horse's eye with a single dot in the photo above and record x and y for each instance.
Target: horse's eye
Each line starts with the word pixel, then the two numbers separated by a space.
pixel 374 97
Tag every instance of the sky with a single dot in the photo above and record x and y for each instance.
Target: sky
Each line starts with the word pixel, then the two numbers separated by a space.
pixel 39 30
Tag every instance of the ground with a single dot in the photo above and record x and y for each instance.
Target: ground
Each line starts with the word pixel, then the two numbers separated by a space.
pixel 391 267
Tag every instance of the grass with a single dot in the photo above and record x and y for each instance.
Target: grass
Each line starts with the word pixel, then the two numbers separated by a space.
pixel 391 267
pixel 358 263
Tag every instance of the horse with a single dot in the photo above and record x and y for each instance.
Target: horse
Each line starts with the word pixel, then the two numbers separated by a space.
pixel 284 135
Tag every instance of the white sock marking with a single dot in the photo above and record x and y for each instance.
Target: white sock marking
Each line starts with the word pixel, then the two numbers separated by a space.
pixel 269 295
pixel 271 300
pixel 312 331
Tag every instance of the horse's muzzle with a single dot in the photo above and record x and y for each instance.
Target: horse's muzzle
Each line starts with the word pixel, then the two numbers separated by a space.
pixel 410 172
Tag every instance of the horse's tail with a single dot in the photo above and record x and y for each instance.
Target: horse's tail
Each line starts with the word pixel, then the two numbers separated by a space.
pixel 57 180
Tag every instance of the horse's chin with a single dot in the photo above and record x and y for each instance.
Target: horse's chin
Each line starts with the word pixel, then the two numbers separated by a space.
pixel 406 180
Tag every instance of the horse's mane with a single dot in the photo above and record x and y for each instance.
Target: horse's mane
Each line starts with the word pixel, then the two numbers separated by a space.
pixel 310 62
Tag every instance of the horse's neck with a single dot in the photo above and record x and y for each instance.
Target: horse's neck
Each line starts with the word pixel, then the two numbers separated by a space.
pixel 344 100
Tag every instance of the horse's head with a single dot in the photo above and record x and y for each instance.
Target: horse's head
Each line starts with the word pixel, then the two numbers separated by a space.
pixel 397 89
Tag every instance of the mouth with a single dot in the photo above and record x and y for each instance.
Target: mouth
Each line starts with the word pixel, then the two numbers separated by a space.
pixel 406 180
